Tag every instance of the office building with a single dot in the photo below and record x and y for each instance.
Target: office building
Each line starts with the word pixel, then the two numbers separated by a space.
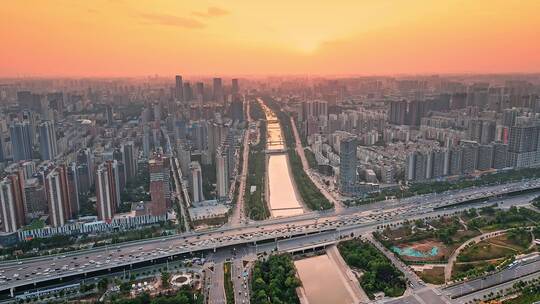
pixel 347 164
pixel 218 90
pixel 222 174
pixel 21 140
pixel 196 182
pixel 179 88
pixel 129 159
pixel 160 192
pixel 235 89
pixel 47 141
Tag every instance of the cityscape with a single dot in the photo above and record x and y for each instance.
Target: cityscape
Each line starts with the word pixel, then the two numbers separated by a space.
pixel 242 165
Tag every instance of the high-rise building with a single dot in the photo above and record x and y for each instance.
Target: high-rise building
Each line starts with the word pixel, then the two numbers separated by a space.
pixel 500 152
pixel 73 188
pixel 469 160
pixel 47 141
pixel 57 191
pixel 196 182
pixel 85 170
pixel 523 145
pixel 398 112
pixel 347 164
pixel 218 90
pixel 21 140
pixel 179 88
pixel 235 89
pixel 485 157
pixel 160 192
pixel 129 159
pixel 222 174
pixel 188 92
pixel 107 189
pixel 199 92
pixel 12 204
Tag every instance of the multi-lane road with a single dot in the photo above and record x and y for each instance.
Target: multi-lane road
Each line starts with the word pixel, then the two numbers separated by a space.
pixel 286 232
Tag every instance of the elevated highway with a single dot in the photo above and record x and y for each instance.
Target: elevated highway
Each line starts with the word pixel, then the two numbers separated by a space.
pixel 283 234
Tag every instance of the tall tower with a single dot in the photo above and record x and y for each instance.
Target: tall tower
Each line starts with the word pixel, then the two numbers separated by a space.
pixel 130 162
pixel 222 174
pixel 21 140
pixel 107 190
pixel 12 203
pixel 179 88
pixel 159 184
pixel 347 164
pixel 57 190
pixel 234 88
pixel 196 182
pixel 218 90
pixel 47 141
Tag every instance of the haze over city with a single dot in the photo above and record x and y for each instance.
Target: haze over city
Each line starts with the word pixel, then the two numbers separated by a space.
pixel 137 38
pixel 270 152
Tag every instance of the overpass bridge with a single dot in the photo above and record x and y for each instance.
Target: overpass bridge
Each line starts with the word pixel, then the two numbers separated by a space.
pixel 293 234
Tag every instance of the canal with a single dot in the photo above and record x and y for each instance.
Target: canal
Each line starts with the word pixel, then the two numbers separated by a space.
pixel 282 197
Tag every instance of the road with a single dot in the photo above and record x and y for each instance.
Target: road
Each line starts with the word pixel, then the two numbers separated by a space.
pixel 364 220
pixel 322 188
pixel 178 191
pixel 238 214
pixel 523 269
pixel 239 277
pixel 216 291
pixel 494 289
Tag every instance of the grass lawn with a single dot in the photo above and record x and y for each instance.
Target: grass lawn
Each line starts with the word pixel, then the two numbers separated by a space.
pixel 434 275
pixel 504 240
pixel 484 251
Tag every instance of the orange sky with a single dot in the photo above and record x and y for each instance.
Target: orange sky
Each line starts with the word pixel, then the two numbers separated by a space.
pixel 197 37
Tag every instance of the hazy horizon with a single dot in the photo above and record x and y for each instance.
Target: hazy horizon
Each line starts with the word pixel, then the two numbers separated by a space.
pixel 114 38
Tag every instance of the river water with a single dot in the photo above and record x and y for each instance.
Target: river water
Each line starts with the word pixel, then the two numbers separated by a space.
pixel 282 198
pixel 322 281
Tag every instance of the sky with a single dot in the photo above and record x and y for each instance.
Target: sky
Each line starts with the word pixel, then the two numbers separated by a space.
pixel 114 38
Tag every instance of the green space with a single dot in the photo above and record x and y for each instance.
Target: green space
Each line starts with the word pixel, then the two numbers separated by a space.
pixel 310 156
pixel 255 203
pixel 182 296
pixel 274 281
pixel 255 110
pixel 447 233
pixel 487 255
pixel 462 183
pixel 528 294
pixel 472 270
pixel 379 274
pixel 483 251
pixel 35 224
pixel 433 275
pixel 491 218
pixel 443 233
pixel 536 202
pixel 229 290
pixel 311 196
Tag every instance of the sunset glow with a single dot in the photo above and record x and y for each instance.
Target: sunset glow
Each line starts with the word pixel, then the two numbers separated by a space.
pixel 132 38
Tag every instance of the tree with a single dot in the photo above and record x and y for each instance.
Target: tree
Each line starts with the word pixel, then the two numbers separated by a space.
pixel 102 284
pixel 165 277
